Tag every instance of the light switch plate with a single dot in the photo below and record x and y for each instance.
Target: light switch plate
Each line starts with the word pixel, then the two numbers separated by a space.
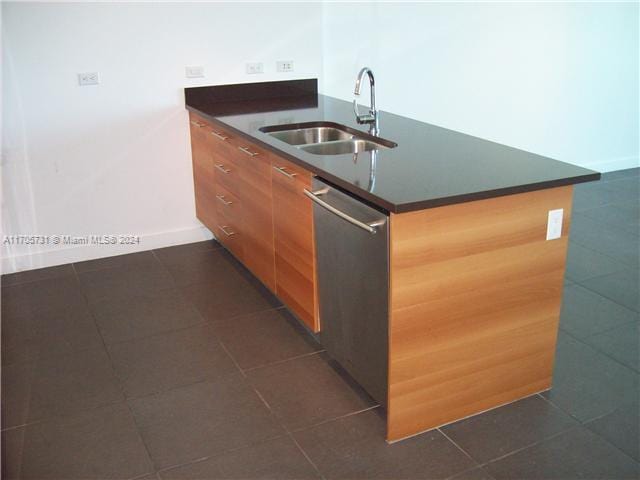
pixel 194 71
pixel 554 224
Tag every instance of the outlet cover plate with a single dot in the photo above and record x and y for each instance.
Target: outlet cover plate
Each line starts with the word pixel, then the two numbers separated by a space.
pixel 194 71
pixel 255 67
pixel 88 78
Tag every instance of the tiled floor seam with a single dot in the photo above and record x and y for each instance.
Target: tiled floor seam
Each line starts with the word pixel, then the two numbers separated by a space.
pixel 306 455
pixel 203 322
pixel 63 415
pixel 219 454
pixel 633 370
pixel 117 378
pixel 458 447
pixel 165 268
pixel 583 423
pixel 324 422
pixel 235 317
pixel 603 295
pixel 280 362
pixel 518 450
pixel 233 359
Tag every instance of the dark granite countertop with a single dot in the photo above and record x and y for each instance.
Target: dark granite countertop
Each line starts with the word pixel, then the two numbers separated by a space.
pixel 431 166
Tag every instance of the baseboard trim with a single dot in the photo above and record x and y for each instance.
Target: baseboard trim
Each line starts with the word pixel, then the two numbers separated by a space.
pixel 79 253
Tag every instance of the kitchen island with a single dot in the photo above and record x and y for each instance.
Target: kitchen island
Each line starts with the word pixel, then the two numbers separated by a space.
pixel 474 286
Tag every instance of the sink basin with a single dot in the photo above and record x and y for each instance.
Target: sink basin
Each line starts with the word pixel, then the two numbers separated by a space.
pixel 327 138
pixel 342 147
pixel 303 136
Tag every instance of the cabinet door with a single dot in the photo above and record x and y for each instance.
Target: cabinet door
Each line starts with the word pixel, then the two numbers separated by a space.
pixel 259 257
pixel 203 172
pixel 294 242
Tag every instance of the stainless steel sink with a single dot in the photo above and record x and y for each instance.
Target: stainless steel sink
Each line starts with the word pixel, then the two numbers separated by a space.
pixel 342 147
pixel 327 138
pixel 303 136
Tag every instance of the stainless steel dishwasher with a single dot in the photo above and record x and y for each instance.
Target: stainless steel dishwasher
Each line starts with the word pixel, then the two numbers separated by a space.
pixel 352 267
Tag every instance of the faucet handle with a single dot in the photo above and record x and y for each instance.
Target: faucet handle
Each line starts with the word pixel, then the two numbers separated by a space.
pixel 355 109
pixel 369 118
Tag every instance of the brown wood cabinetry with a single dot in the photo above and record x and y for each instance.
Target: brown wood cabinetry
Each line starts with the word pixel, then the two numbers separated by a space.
pixel 254 204
pixel 294 243
pixel 203 173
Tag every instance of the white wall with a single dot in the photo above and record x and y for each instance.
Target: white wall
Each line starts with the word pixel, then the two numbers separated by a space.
pixel 114 158
pixel 558 79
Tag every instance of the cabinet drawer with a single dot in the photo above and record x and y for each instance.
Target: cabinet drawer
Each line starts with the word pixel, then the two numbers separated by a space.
pixel 229 234
pixel 227 172
pixel 227 204
pixel 283 169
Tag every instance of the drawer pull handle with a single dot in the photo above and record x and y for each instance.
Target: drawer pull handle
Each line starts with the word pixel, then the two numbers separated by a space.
pixel 284 172
pixel 223 200
pixel 224 230
pixel 220 167
pixel 248 152
pixel 219 135
pixel 198 124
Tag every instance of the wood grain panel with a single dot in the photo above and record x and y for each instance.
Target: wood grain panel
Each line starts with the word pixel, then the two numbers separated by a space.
pixel 294 242
pixel 203 172
pixel 229 232
pixel 259 254
pixel 475 298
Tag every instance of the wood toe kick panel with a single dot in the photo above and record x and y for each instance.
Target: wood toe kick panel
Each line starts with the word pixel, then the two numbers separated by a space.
pixel 474 307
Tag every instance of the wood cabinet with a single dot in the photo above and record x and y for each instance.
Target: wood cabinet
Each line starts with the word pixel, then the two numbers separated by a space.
pixel 203 173
pixel 253 202
pixel 294 242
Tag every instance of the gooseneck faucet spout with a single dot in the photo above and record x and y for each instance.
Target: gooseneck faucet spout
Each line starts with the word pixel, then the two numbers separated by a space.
pixel 372 117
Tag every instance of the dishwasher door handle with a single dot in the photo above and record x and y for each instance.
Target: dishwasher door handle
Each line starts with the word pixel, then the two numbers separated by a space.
pixel 369 227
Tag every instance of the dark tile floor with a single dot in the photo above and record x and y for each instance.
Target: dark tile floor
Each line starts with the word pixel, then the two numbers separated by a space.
pixel 177 364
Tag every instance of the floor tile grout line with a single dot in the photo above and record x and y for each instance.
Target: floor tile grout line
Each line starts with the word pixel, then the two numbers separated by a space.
pixel 452 477
pixel 60 416
pixel 576 240
pixel 597 350
pixel 118 381
pixel 531 445
pixel 103 258
pixel 220 453
pixel 558 407
pixel 306 455
pixel 165 268
pixel 233 359
pixel 603 295
pixel 333 419
pixel 280 362
pixel 617 226
pixel 159 334
pixel 467 454
pixel 626 323
pixel 602 437
pixel 123 399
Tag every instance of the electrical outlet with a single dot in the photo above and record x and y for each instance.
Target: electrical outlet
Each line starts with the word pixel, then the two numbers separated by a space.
pixel 284 66
pixel 554 224
pixel 194 71
pixel 88 78
pixel 252 68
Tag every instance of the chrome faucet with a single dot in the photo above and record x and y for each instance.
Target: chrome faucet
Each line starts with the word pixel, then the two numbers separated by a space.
pixel 372 117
